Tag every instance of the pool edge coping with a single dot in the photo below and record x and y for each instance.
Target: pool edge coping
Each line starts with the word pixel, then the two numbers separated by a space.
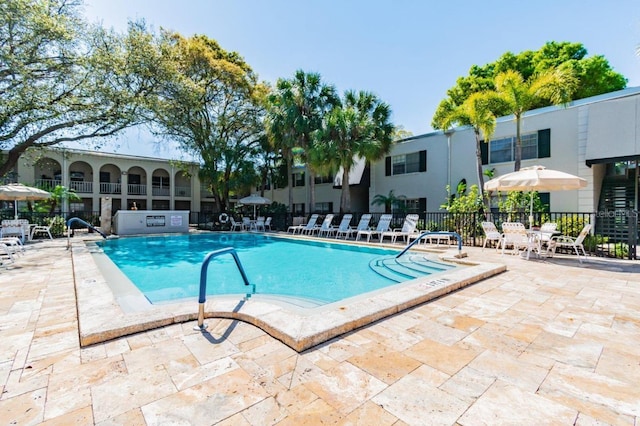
pixel 101 318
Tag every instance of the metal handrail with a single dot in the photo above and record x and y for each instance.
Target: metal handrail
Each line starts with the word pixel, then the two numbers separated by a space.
pixel 82 222
pixel 202 298
pixel 424 234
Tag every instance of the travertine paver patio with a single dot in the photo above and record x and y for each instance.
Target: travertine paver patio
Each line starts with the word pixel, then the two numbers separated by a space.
pixel 547 342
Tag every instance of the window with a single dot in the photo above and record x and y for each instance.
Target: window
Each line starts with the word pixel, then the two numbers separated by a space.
pixel 406 163
pixel 298 209
pixel 416 205
pixel 324 207
pixel 323 179
pixel 298 179
pixel 534 145
pixel 160 181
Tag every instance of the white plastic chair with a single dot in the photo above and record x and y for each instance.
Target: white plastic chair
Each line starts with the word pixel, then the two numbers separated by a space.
pixel 235 226
pixel 363 225
pixel 308 226
pixel 491 234
pixel 267 224
pixel 324 227
pixel 408 228
pixel 566 241
pixel 41 229
pixel 342 227
pixel 383 226
pixel 515 234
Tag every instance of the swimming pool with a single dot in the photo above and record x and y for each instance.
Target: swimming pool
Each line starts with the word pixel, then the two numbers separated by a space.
pixel 313 272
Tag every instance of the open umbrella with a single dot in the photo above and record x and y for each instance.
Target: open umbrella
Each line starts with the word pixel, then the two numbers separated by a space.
pixel 18 192
pixel 254 200
pixel 535 178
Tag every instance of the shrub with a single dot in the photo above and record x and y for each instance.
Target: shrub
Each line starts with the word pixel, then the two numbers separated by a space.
pixel 57 225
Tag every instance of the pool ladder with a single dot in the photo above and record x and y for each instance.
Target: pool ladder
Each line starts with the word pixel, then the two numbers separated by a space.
pixel 427 233
pixel 203 281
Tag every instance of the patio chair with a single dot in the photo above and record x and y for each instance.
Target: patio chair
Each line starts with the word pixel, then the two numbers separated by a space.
pixel 408 228
pixel 235 226
pixel 491 233
pixel 14 244
pixel 5 254
pixel 41 229
pixel 383 226
pixel 363 225
pixel 309 225
pixel 547 231
pixel 246 223
pixel 514 234
pixel 324 228
pixel 267 224
pixel 343 226
pixel 14 228
pixel 565 241
pixel 259 224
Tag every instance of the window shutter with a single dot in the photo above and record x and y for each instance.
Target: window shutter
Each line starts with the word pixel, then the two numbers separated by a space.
pixel 387 166
pixel 544 143
pixel 422 205
pixel 484 152
pixel 423 161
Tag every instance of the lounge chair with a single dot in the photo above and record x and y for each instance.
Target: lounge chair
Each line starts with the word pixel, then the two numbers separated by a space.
pixel 324 228
pixel 343 226
pixel 5 254
pixel 491 233
pixel 41 229
pixel 565 241
pixel 15 228
pixel 408 228
pixel 383 226
pixel 308 226
pixel 514 234
pixel 13 244
pixel 363 225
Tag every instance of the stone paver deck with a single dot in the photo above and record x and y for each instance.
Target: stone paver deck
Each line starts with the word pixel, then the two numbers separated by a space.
pixel 547 342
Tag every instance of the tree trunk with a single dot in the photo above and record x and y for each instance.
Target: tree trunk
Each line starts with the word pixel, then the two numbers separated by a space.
pixel 290 182
pixel 345 195
pixel 12 159
pixel 518 153
pixel 485 201
pixel 312 190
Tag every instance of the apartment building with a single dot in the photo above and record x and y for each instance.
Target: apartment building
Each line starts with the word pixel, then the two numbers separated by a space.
pixel 596 138
pixel 150 183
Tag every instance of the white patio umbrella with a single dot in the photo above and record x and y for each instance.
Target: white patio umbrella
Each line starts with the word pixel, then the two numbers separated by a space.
pixel 254 200
pixel 18 192
pixel 535 178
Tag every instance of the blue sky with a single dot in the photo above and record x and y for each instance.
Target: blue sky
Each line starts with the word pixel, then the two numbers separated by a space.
pixel 408 52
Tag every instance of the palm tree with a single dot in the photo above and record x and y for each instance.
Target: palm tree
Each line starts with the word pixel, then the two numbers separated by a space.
pixel 299 105
pixel 519 96
pixel 475 111
pixel 359 127
pixel 388 201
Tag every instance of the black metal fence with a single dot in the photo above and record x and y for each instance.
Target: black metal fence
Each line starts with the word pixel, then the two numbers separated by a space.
pixel 614 233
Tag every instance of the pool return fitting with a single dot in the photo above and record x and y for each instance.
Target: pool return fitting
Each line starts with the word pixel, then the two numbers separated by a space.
pixel 201 326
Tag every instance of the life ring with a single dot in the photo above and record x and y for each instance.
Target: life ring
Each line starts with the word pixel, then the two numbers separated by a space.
pixel 224 239
pixel 223 218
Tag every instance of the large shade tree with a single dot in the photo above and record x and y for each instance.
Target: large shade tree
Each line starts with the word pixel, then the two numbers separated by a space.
pixel 297 108
pixel 62 80
pixel 359 127
pixel 213 106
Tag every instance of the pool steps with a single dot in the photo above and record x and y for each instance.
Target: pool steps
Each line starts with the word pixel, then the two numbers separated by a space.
pixel 407 267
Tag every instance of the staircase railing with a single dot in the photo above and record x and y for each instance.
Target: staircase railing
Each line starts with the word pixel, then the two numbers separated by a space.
pixel 427 233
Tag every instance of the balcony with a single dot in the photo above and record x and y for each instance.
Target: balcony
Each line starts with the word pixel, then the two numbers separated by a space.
pixel 110 188
pixel 47 184
pixel 134 189
pixel 160 192
pixel 183 191
pixel 81 187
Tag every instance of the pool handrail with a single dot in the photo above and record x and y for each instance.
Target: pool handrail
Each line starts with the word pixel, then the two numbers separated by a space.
pixel 82 222
pixel 426 233
pixel 202 298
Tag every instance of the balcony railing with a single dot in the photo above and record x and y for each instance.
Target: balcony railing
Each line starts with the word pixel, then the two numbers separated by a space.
pixel 47 183
pixel 183 191
pixel 110 188
pixel 160 192
pixel 81 187
pixel 137 189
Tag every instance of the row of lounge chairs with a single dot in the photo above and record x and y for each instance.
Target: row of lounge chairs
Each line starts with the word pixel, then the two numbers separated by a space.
pixel 362 230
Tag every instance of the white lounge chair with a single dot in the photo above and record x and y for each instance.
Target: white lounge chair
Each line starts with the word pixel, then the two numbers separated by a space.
pixel 14 244
pixel 324 227
pixel 408 228
pixel 343 226
pixel 5 254
pixel 383 226
pixel 565 241
pixel 41 229
pixel 491 233
pixel 15 228
pixel 308 226
pixel 363 225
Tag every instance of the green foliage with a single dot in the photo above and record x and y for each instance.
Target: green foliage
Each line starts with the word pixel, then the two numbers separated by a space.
pixel 571 225
pixel 390 201
pixel 63 80
pixel 58 194
pixel 57 224
pixel 518 202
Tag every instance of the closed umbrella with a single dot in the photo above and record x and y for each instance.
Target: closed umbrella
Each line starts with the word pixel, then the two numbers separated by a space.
pixel 254 200
pixel 18 192
pixel 535 178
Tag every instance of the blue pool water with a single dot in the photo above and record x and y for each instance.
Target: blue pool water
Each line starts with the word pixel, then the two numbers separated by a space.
pixel 167 268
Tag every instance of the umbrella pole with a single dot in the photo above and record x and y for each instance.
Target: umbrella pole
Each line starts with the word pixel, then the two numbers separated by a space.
pixel 531 212
pixel 15 209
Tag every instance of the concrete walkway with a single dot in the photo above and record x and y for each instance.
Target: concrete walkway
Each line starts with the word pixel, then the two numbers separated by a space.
pixel 547 342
